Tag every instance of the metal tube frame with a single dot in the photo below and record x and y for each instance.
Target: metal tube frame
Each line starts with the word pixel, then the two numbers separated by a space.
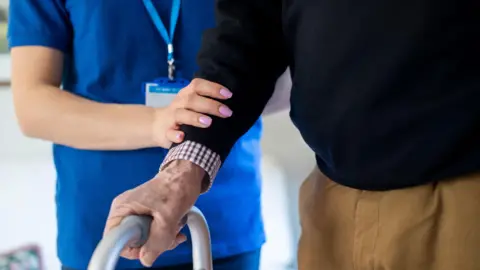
pixel 134 230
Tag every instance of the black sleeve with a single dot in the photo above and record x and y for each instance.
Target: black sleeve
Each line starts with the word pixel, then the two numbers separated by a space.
pixel 245 53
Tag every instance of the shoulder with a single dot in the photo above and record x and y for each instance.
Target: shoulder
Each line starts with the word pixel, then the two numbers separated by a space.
pixel 39 23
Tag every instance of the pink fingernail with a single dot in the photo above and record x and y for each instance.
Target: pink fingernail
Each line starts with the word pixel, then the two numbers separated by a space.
pixel 179 135
pixel 225 111
pixel 205 120
pixel 224 92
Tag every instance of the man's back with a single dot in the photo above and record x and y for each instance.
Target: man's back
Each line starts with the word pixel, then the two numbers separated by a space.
pixel 386 92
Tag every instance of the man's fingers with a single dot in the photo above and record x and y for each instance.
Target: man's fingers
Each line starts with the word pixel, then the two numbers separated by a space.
pixel 112 222
pixel 127 252
pixel 181 238
pixel 130 253
pixel 117 212
pixel 158 242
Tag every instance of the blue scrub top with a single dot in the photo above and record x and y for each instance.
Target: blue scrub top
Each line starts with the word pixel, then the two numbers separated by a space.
pixel 111 47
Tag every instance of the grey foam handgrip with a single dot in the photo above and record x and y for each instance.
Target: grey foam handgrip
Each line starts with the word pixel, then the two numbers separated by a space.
pixel 143 223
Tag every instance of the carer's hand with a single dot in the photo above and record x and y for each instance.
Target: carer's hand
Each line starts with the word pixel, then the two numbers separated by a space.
pixel 167 198
pixel 192 106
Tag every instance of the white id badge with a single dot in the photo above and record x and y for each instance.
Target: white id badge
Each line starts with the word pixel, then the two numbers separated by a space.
pixel 161 92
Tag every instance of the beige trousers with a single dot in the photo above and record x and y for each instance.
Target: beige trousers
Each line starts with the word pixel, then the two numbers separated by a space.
pixel 430 227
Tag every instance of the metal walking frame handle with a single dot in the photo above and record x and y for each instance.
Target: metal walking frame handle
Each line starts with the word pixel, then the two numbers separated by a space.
pixel 133 231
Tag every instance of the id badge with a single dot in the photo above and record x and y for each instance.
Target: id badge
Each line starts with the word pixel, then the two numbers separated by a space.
pixel 161 92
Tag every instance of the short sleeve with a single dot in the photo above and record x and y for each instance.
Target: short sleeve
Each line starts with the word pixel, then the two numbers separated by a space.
pixel 39 23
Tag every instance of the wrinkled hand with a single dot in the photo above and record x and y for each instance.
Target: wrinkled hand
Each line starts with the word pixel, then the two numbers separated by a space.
pixel 167 198
pixel 191 106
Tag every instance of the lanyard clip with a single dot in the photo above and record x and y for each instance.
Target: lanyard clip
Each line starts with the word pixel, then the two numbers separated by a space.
pixel 171 69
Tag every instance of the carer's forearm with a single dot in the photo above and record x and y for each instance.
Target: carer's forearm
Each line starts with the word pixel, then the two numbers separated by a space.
pixel 58 116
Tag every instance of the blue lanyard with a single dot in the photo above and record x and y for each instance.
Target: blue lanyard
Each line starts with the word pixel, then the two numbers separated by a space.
pixel 167 37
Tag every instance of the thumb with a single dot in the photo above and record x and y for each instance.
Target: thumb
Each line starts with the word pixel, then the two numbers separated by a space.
pixel 181 238
pixel 158 242
pixel 175 136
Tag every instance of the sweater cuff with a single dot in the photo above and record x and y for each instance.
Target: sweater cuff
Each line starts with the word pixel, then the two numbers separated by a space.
pixel 199 155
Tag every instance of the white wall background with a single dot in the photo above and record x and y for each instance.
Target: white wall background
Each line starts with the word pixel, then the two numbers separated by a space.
pixel 27 187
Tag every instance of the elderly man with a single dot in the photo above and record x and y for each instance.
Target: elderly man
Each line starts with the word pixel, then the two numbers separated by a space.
pixel 385 93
